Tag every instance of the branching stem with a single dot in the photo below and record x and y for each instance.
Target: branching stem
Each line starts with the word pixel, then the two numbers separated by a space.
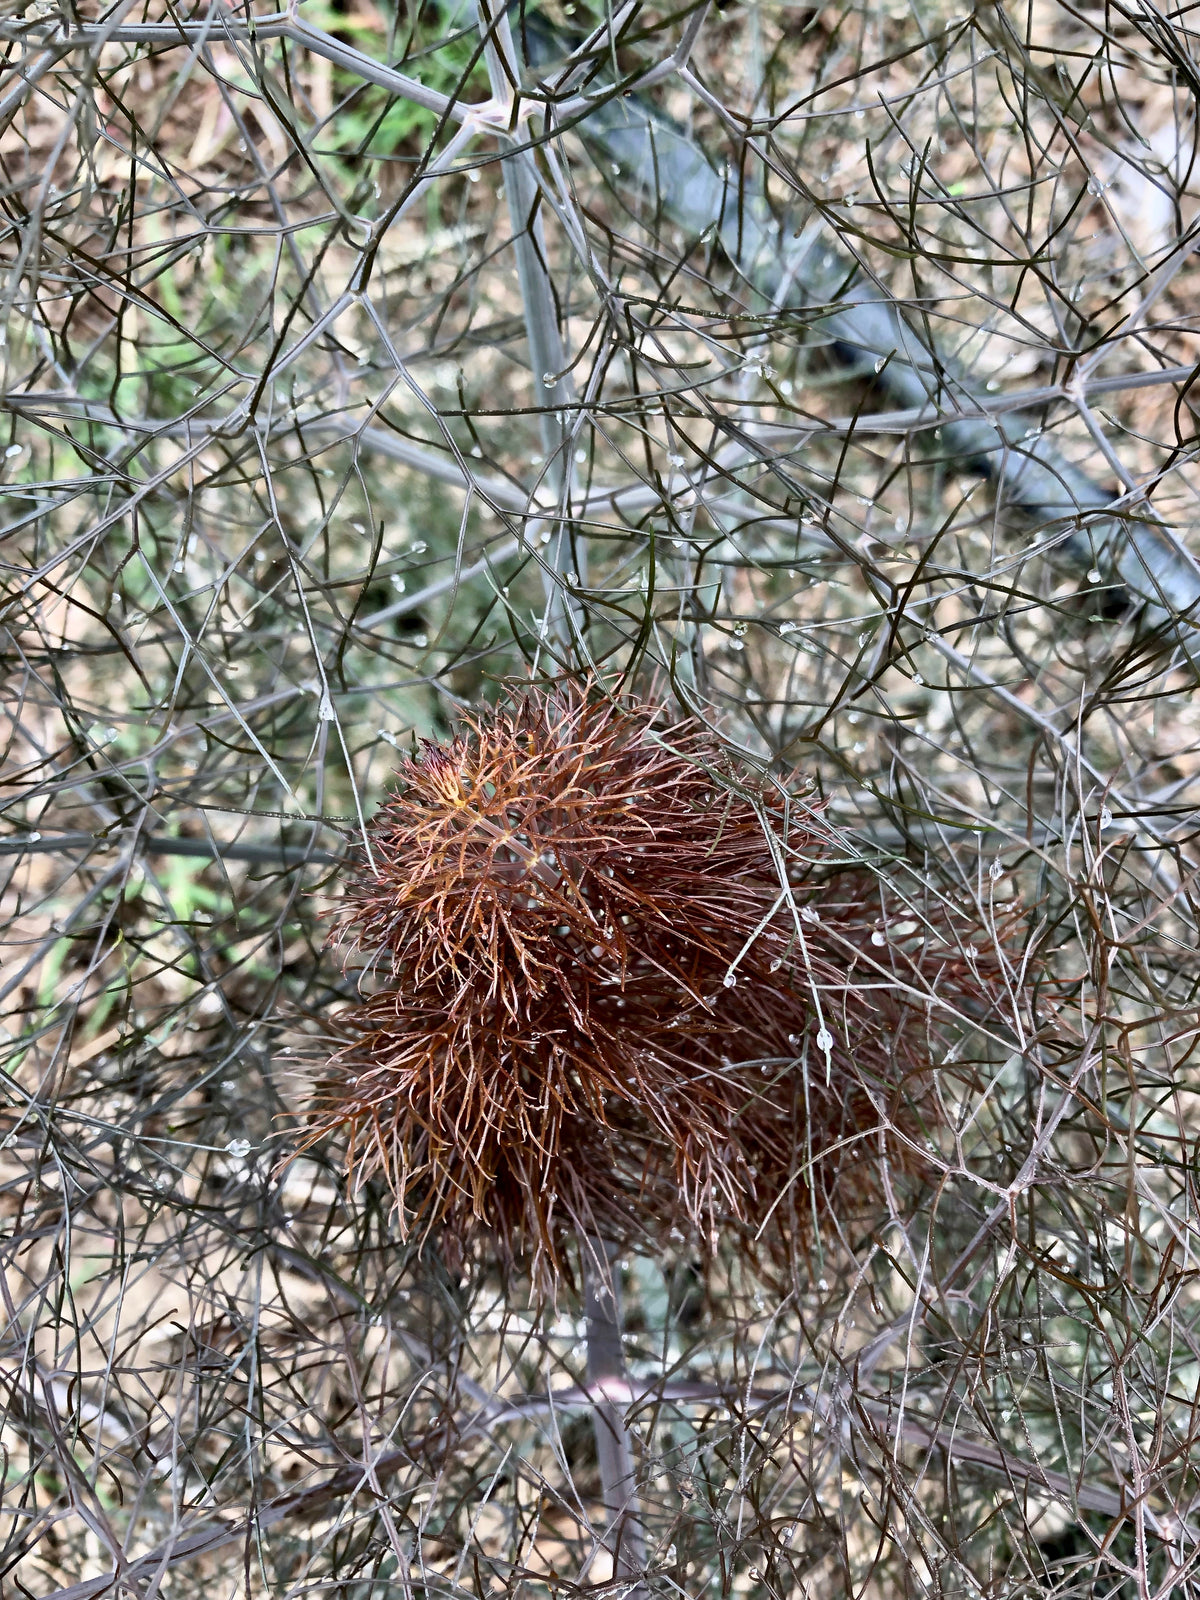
pixel 624 1536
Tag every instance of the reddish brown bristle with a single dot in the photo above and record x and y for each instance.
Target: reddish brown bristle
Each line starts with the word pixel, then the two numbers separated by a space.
pixel 598 1005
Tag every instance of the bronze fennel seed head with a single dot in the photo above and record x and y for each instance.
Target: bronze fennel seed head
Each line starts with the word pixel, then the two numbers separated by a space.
pixel 615 986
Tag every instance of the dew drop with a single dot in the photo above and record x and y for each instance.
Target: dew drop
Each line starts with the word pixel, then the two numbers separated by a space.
pixel 730 980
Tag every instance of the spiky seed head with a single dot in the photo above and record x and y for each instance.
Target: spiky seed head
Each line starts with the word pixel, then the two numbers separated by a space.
pixel 596 995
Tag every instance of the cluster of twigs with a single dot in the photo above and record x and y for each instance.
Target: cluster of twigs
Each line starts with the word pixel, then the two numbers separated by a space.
pixel 362 360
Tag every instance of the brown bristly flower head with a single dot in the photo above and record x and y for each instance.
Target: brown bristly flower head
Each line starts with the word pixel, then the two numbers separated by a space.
pixel 615 985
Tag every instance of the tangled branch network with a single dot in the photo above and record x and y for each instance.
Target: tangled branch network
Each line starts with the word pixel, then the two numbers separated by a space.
pixel 669 531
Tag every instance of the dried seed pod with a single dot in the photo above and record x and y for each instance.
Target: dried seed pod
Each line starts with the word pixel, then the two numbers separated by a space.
pixel 600 994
